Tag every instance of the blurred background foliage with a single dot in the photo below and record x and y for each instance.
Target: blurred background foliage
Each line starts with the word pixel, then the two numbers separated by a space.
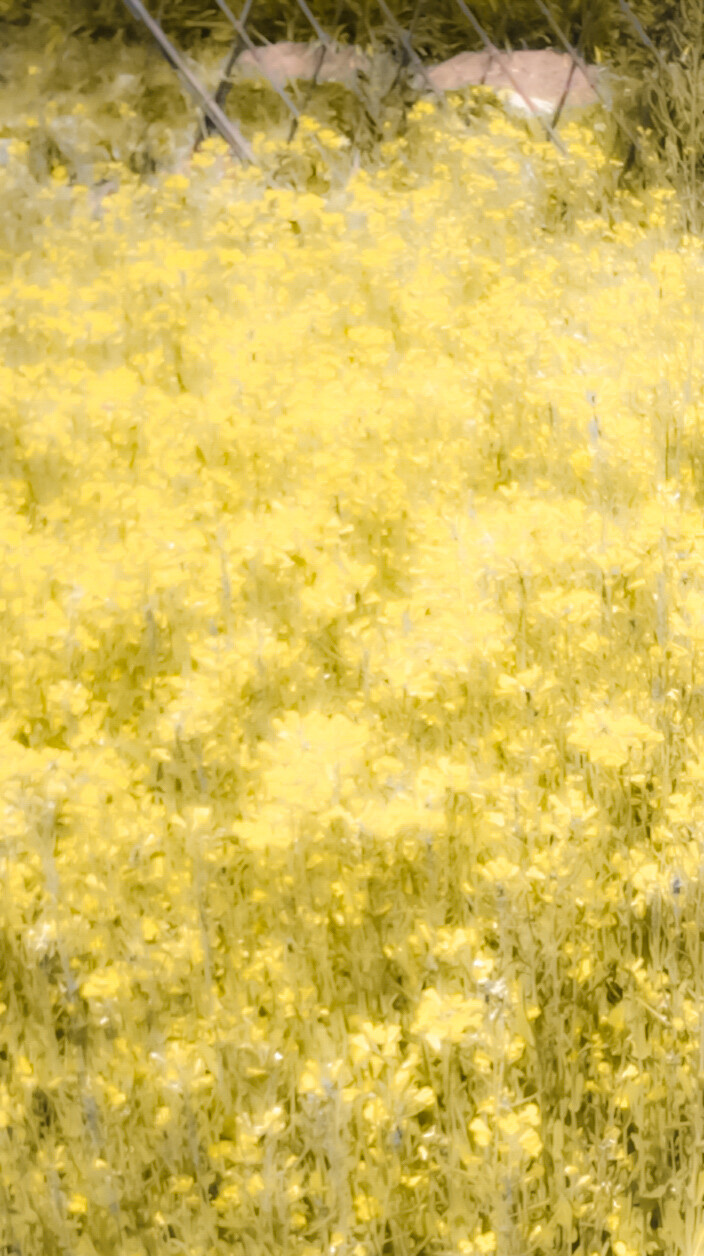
pixel 654 48
pixel 440 29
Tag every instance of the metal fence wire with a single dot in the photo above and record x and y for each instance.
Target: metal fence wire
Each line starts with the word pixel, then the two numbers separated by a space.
pixel 543 83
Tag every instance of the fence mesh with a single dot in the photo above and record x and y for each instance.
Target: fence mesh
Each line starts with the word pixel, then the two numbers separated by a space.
pixel 545 83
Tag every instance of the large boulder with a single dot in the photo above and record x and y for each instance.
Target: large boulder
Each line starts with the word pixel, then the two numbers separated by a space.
pixel 285 61
pixel 542 76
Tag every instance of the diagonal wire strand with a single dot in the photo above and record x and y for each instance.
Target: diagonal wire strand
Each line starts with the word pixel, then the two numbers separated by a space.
pixel 408 48
pixel 579 61
pixel 283 95
pixel 229 131
pixel 223 88
pixel 405 60
pixel 637 25
pixel 328 45
pixel 254 49
pixel 491 48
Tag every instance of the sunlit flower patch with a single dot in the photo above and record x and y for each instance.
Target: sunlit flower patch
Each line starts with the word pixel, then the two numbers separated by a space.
pixel 352 593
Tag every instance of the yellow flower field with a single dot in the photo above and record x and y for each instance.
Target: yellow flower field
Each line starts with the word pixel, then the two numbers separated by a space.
pixel 352 773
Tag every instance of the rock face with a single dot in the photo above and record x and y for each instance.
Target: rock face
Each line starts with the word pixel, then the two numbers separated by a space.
pixel 542 75
pixel 285 61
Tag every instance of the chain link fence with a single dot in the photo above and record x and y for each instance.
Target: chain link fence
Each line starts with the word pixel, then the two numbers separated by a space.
pixel 547 83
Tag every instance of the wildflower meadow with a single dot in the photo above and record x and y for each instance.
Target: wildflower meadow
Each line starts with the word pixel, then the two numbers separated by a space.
pixel 351 771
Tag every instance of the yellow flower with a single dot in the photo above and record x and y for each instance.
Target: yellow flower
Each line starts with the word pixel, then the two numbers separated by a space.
pixel 483 1136
pixel 486 1242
